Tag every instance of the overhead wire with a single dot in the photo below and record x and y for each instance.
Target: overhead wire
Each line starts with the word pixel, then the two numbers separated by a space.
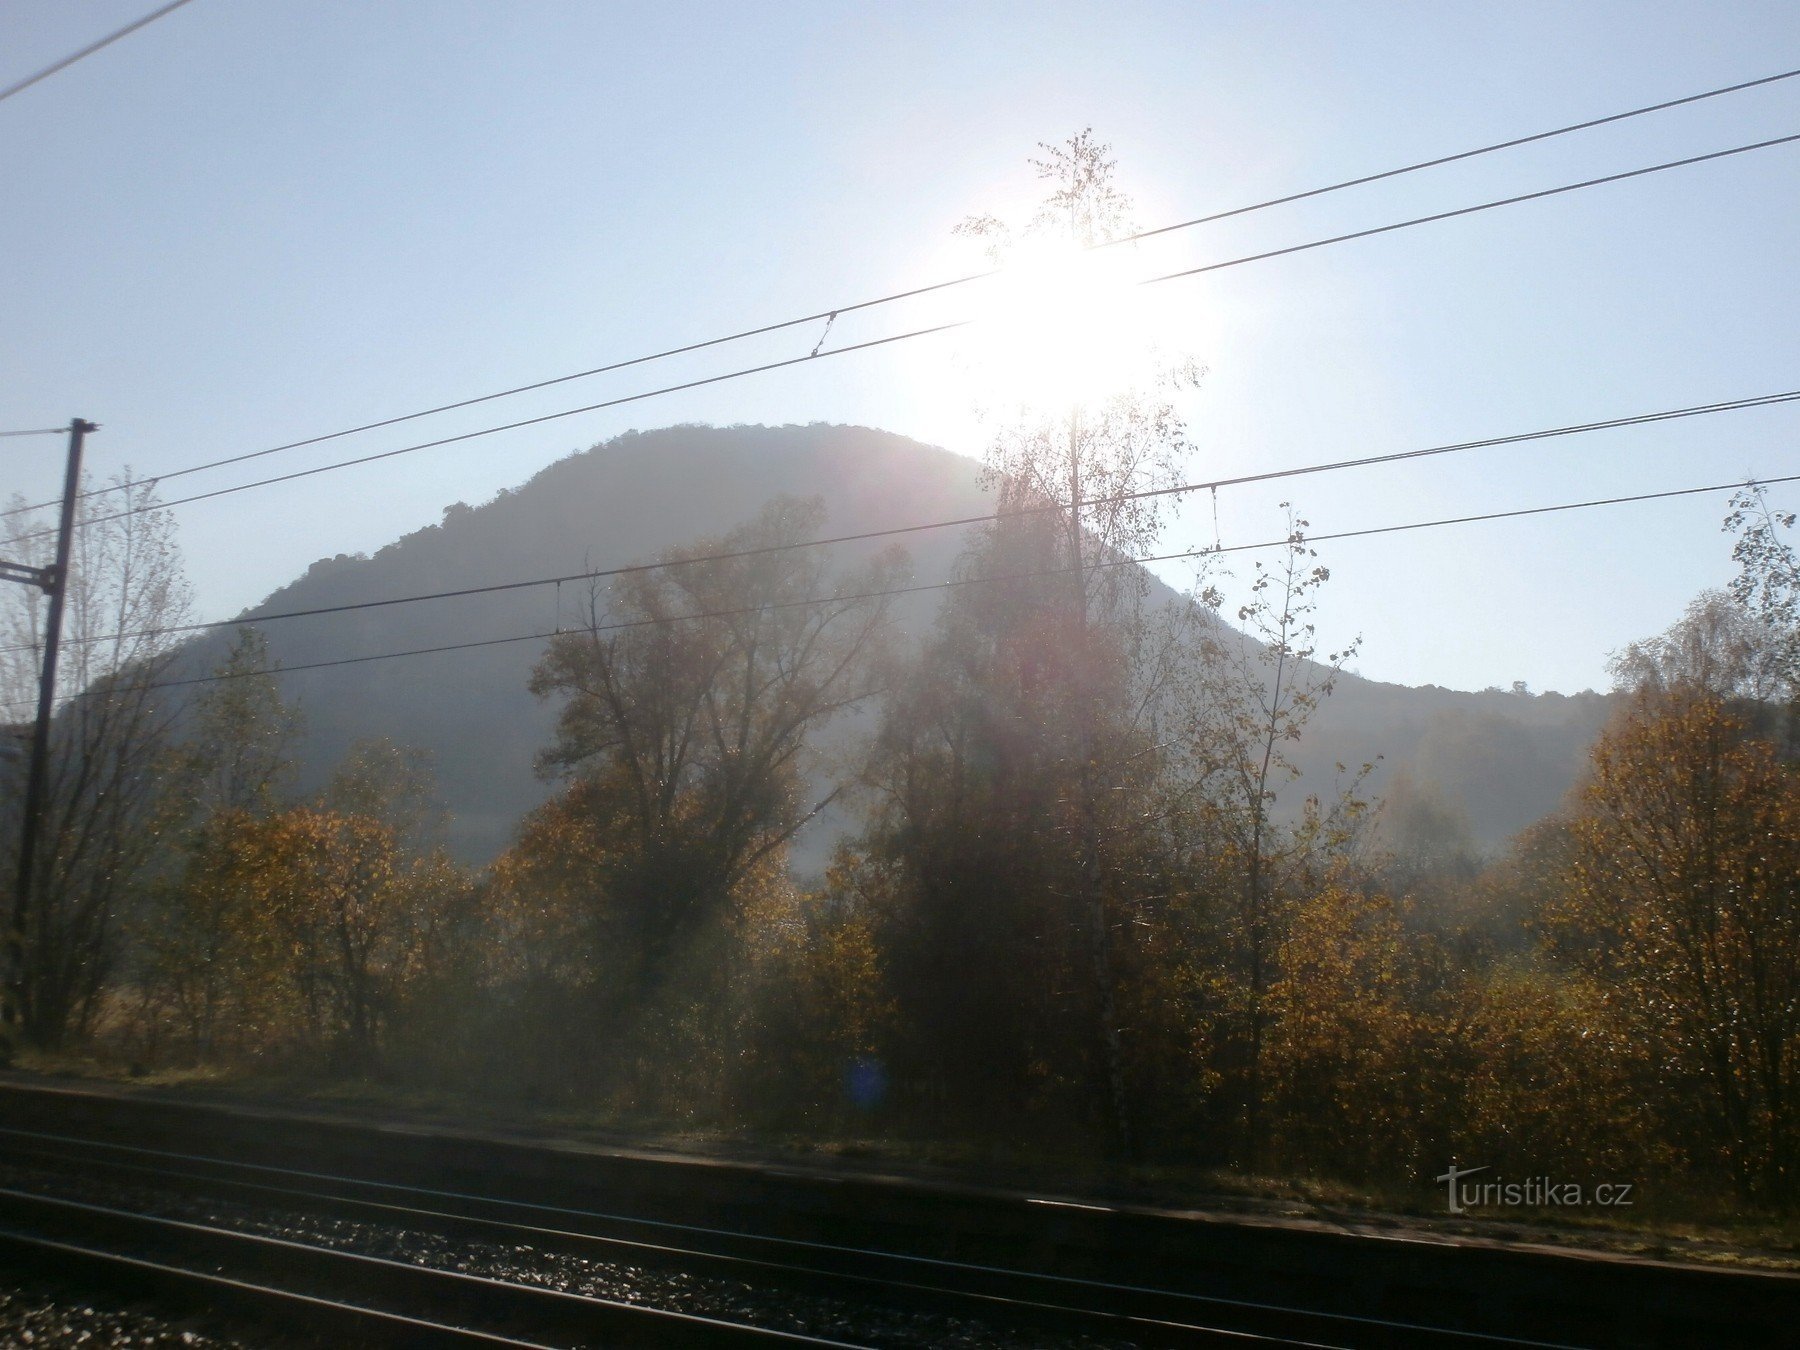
pixel 89 50
pixel 829 316
pixel 1472 210
pixel 1460 155
pixel 955 583
pixel 509 426
pixel 895 531
pixel 927 332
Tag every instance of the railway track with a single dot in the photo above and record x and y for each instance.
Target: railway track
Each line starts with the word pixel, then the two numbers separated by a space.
pixel 413 1295
pixel 135 1215
pixel 348 1297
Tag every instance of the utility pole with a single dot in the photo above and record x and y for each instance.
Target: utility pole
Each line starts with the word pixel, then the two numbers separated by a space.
pixel 54 581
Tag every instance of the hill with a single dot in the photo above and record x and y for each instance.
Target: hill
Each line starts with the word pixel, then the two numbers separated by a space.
pixel 1506 758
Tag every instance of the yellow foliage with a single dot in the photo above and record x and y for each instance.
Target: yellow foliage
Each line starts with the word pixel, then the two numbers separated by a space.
pixel 1684 906
pixel 1548 1079
pixel 1346 1034
pixel 303 928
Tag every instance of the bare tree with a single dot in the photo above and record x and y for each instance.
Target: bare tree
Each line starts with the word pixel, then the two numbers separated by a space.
pixel 687 707
pixel 1719 646
pixel 1767 585
pixel 110 742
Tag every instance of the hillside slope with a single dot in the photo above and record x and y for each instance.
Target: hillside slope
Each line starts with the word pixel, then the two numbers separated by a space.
pixel 1506 757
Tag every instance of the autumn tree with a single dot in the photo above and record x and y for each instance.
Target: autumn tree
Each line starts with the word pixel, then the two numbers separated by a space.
pixel 234 764
pixel 111 741
pixel 1538 1069
pixel 1351 1012
pixel 1684 905
pixel 822 1015
pixel 1245 700
pixel 689 702
pixel 1427 835
pixel 326 895
pixel 548 923
pixel 346 903
pixel 383 780
pixel 240 734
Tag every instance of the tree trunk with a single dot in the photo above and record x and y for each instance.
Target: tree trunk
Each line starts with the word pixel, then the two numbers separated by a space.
pixel 1093 884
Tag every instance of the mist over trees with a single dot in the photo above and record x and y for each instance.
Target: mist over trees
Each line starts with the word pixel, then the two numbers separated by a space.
pixel 1303 978
pixel 687 706
pixel 1507 758
pixel 1093 895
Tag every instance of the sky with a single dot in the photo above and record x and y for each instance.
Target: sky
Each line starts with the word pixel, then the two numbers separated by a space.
pixel 252 223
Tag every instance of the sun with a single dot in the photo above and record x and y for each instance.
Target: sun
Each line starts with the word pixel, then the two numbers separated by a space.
pixel 1060 327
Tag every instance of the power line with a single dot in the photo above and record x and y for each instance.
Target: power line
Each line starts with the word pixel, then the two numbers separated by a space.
pixel 528 388
pixel 37 431
pixel 1241 480
pixel 930 331
pixel 89 50
pixel 1542 510
pixel 828 316
pixel 1462 155
pixel 1482 206
pixel 514 426
pixel 956 582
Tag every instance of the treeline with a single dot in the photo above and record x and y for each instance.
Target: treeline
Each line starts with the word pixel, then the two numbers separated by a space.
pixel 1087 906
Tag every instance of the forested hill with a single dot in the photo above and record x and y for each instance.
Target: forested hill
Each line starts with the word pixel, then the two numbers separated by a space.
pixel 1503 758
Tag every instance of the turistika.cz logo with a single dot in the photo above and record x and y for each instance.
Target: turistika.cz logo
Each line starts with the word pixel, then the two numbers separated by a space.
pixel 1532 1192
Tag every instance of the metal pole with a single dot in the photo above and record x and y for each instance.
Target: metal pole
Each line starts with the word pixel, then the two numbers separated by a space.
pixel 38 772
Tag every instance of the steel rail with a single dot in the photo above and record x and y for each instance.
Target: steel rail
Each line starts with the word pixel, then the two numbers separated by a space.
pixel 204 1291
pixel 1145 1314
pixel 471 1302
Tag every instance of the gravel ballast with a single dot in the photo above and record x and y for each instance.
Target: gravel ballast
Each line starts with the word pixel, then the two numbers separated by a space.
pixel 519 1262
pixel 53 1320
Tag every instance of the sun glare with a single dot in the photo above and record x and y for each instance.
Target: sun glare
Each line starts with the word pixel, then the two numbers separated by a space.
pixel 1061 327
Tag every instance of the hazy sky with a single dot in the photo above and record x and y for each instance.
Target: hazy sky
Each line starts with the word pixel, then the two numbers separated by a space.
pixel 253 222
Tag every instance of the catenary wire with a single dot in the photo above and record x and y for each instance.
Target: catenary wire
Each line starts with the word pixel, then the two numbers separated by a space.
pixel 509 426
pixel 958 582
pixel 1180 489
pixel 933 329
pixel 1453 158
pixel 914 292
pixel 1539 195
pixel 89 50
